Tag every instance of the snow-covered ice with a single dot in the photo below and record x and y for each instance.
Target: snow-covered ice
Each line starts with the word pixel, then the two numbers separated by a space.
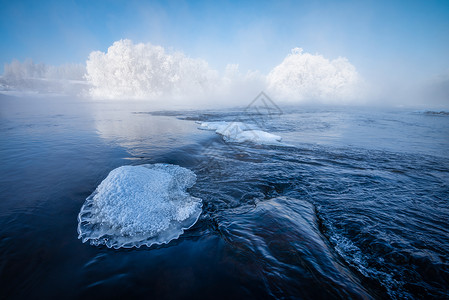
pixel 139 205
pixel 241 132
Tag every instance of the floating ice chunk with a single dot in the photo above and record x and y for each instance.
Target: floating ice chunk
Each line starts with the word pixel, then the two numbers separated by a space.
pixel 222 126
pixel 257 136
pixel 139 205
pixel 240 132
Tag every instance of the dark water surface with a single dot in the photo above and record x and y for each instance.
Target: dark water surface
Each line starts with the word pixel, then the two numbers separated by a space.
pixel 355 204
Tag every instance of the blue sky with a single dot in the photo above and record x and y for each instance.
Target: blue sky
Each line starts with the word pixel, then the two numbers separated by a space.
pixel 388 39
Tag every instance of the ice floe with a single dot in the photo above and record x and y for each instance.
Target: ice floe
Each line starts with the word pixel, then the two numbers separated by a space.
pixel 139 205
pixel 240 132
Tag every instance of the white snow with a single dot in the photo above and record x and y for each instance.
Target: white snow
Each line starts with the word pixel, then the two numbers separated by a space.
pixel 239 132
pixel 139 205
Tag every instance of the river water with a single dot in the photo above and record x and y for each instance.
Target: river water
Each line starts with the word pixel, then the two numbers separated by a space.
pixel 353 203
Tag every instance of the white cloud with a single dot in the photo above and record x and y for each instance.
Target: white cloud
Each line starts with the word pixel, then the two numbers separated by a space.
pixel 141 71
pixel 145 71
pixel 304 77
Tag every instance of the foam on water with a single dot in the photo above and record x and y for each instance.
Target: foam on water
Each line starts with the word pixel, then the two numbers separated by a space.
pixel 139 205
pixel 239 132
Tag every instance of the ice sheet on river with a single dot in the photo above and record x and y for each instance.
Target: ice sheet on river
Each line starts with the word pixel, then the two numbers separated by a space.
pixel 139 205
pixel 239 132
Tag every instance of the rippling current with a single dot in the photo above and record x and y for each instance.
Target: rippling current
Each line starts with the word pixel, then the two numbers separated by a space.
pixel 352 204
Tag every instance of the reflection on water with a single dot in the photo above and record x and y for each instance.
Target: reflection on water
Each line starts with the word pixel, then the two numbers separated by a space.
pixel 139 132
